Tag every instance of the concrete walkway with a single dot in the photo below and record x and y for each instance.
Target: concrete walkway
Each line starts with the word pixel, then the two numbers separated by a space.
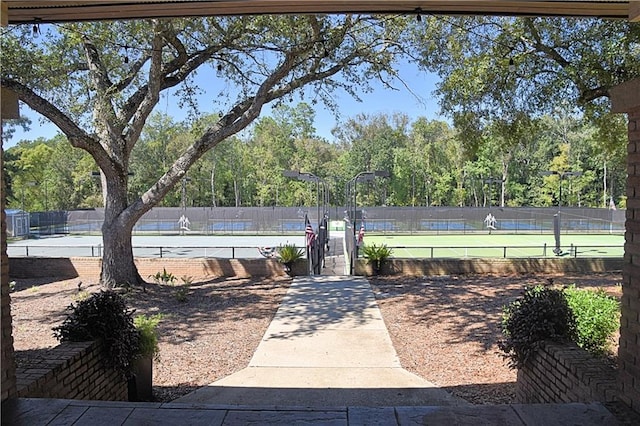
pixel 326 359
pixel 326 346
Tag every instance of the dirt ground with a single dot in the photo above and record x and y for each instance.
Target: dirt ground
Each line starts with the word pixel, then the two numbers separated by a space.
pixel 444 329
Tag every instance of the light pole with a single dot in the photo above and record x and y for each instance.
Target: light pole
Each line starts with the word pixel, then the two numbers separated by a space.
pixel 353 186
pixel 183 195
pixel 316 255
pixel 352 198
pixel 556 218
pixel 562 176
pixel 310 177
pixel 490 219
pixel 490 181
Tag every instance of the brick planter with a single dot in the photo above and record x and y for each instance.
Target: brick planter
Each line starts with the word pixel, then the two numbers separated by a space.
pixel 562 373
pixel 72 371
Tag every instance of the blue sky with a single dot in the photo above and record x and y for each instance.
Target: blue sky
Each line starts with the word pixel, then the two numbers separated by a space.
pixel 380 100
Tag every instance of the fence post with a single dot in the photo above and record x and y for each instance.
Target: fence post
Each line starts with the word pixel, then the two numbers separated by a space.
pixel 432 252
pixel 544 250
pixel 233 252
pixel 160 252
pixel 505 252
pixel 27 250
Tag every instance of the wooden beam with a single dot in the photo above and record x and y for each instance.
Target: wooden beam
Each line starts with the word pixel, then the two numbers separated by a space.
pixel 62 11
pixel 4 14
pixel 634 11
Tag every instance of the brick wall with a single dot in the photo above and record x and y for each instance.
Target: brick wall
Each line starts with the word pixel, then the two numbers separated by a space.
pixel 7 361
pixel 71 371
pixel 32 267
pixel 561 373
pixel 427 267
pixel 629 348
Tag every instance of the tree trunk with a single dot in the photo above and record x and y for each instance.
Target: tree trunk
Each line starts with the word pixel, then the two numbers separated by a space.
pixel 118 267
pixel 213 185
pixel 236 192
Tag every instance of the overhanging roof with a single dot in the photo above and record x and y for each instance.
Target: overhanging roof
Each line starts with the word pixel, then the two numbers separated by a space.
pixel 60 11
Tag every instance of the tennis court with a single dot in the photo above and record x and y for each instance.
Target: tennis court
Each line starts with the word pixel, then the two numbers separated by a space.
pixel 404 246
pixel 500 245
pixel 185 246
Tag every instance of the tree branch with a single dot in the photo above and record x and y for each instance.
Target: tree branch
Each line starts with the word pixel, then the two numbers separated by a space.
pixel 76 136
pixel 152 95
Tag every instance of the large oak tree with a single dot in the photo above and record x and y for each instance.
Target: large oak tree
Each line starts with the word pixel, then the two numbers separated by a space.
pixel 99 83
pixel 509 71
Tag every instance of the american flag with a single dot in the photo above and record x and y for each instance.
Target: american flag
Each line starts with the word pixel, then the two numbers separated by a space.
pixel 361 234
pixel 308 231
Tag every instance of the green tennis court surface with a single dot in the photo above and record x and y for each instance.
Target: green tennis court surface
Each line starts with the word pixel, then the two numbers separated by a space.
pixel 500 245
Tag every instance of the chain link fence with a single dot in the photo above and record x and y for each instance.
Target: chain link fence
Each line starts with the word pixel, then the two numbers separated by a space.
pixel 290 220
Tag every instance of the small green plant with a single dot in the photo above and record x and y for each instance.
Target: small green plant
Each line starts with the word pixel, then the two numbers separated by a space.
pixel 147 326
pixel 103 316
pixel 181 293
pixel 34 289
pixel 81 295
pixel 289 253
pixel 164 277
pixel 597 318
pixel 542 313
pixel 186 280
pixel 376 254
pixel 12 286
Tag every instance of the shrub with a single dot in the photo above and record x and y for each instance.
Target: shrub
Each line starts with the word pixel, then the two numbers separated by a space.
pixel 103 316
pixel 148 329
pixel 289 253
pixel 376 254
pixel 542 313
pixel 597 318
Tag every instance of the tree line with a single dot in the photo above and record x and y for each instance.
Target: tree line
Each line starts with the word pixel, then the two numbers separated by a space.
pixel 429 162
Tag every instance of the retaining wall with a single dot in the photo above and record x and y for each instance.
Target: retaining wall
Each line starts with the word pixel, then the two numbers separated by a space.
pixel 33 267
pixel 71 371
pixel 71 267
pixel 428 267
pixel 562 373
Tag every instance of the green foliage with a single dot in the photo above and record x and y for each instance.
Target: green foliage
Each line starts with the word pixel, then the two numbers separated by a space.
pixel 289 253
pixel 376 254
pixel 81 295
pixel 103 316
pixel 542 313
pixel 164 277
pixel 147 326
pixel 597 318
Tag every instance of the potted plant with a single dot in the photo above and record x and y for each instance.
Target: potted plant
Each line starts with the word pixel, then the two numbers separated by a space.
pixel 376 255
pixel 141 384
pixel 288 254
